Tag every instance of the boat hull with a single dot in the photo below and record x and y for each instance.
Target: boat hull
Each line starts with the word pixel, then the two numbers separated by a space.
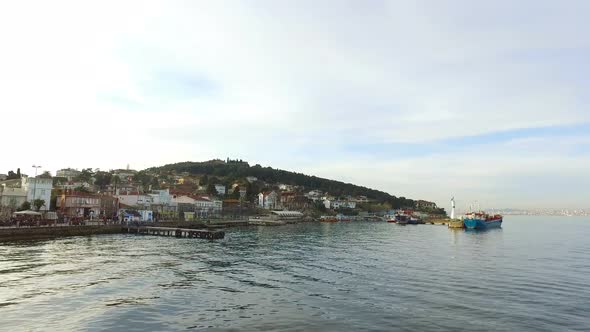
pixel 475 223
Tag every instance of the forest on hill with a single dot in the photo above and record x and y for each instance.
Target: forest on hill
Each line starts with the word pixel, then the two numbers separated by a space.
pixel 234 170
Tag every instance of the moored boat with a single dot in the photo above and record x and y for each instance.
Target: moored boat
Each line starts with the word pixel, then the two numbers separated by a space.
pixel 482 220
pixel 328 219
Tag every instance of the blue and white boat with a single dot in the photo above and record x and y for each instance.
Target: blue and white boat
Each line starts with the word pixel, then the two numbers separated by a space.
pixel 482 220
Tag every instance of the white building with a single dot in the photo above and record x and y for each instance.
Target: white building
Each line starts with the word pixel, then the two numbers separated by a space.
pixel 220 189
pixel 314 195
pixel 251 179
pixel 269 200
pixel 38 188
pixel 206 206
pixel 12 197
pixel 68 173
pixel 139 200
pixel 336 204
pixel 161 197
pixel 286 187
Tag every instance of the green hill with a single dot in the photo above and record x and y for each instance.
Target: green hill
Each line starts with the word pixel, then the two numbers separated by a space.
pixel 235 170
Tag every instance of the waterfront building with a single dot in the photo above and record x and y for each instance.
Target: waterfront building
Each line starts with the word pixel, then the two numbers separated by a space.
pixel 269 200
pixel 38 188
pixel 78 204
pixel 12 198
pixel 135 199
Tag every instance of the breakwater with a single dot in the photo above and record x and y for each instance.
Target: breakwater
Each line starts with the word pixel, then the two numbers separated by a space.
pixel 43 232
pixel 31 233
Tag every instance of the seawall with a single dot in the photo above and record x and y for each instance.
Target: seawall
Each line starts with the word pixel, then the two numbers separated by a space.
pixel 29 233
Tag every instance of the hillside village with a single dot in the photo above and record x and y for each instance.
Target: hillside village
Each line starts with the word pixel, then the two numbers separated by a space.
pixel 214 189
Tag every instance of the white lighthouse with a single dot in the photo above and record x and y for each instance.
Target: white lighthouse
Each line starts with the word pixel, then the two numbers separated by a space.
pixel 453 208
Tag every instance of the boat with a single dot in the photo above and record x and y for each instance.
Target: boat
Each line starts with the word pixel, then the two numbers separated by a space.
pixel 405 217
pixel 482 220
pixel 390 218
pixel 328 219
pixel 343 218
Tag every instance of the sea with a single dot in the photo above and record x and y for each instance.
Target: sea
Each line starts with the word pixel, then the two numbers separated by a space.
pixel 533 274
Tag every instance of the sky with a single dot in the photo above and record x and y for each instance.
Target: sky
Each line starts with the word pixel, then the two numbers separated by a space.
pixel 481 100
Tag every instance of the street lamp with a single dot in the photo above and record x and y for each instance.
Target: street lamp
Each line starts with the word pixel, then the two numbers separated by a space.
pixel 35 184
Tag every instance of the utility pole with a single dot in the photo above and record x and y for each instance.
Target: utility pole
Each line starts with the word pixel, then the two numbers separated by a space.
pixel 35 184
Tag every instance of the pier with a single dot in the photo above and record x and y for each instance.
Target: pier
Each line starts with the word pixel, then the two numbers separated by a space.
pixel 176 232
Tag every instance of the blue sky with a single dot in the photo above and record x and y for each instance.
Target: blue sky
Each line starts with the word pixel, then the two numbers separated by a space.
pixel 483 101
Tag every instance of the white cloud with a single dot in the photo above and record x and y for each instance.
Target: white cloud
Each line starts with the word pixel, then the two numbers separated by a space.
pixel 277 82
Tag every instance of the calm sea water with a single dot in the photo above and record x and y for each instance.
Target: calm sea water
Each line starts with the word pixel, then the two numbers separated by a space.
pixel 532 275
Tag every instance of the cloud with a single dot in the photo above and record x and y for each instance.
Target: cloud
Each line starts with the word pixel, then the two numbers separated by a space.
pixel 295 84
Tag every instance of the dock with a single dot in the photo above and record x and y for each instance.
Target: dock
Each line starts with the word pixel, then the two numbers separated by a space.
pixel 456 223
pixel 176 232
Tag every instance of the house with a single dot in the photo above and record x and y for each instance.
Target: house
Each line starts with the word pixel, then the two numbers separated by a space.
pixel 243 192
pixel 68 173
pixel 125 174
pixel 362 199
pixel 251 179
pixel 162 203
pixel 3 177
pixel 421 204
pixel 314 195
pixel 220 189
pixel 135 199
pixel 38 188
pixel 294 201
pixel 77 204
pixel 338 204
pixel 203 206
pixel 109 205
pixel 269 200
pixel 286 187
pixel 74 185
pixel 12 198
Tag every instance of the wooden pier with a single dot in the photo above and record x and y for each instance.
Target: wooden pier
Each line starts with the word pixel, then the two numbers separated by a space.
pixel 176 232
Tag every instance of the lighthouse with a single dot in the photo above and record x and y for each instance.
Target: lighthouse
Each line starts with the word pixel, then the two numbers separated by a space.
pixel 453 208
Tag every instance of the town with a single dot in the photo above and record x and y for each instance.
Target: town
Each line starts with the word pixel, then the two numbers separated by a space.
pixel 77 196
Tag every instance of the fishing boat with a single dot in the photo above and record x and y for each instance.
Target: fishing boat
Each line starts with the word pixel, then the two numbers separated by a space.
pixel 328 219
pixel 482 220
pixel 406 217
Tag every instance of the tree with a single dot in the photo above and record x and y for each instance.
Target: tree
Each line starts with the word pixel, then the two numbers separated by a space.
pixel 102 179
pixel 81 189
pixel 85 175
pixel 319 205
pixel 38 204
pixel 211 189
pixel 204 180
pixel 25 206
pixel 57 180
pixel 236 193
pixel 12 175
pixel 45 175
pixel 18 173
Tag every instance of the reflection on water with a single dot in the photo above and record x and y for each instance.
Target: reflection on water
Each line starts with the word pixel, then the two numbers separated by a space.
pixel 530 275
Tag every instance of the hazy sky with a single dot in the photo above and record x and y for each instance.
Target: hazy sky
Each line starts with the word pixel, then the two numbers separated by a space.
pixel 483 100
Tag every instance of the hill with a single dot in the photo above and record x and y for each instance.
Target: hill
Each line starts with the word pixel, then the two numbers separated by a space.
pixel 234 170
